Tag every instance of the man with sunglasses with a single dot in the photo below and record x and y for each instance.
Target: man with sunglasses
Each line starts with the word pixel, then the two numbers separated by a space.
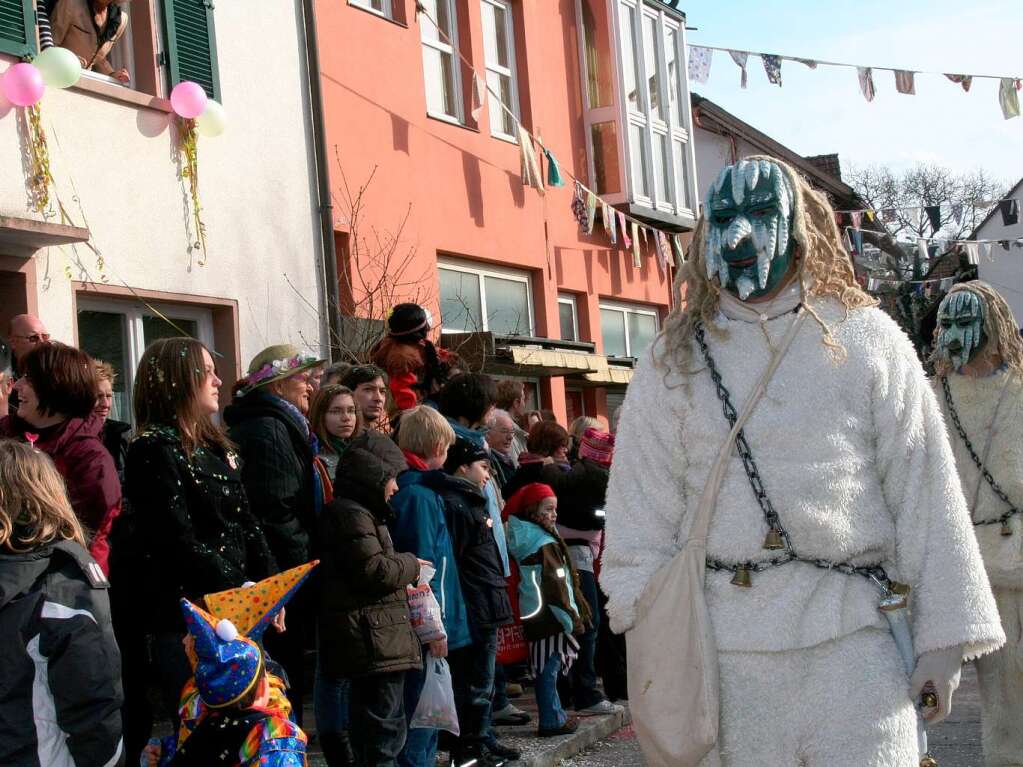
pixel 24 333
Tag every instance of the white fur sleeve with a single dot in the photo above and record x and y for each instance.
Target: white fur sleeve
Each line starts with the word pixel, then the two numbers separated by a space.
pixel 936 549
pixel 645 500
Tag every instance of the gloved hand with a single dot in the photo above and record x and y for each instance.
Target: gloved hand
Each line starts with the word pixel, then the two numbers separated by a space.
pixel 942 668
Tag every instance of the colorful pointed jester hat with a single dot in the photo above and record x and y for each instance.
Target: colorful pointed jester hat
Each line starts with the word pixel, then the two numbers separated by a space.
pixel 229 665
pixel 253 607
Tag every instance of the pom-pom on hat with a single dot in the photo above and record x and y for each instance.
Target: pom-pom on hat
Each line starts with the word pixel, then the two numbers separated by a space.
pixel 229 665
pixel 409 321
pixel 462 453
pixel 252 608
pixel 598 446
pixel 525 497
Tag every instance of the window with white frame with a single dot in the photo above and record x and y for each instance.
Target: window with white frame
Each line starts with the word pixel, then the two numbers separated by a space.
pixel 441 70
pixel 499 53
pixel 568 314
pixel 627 329
pixel 118 332
pixel 638 122
pixel 476 298
pixel 381 7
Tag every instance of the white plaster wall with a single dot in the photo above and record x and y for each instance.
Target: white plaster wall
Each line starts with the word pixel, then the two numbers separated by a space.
pixel 256 187
pixel 713 152
pixel 1004 269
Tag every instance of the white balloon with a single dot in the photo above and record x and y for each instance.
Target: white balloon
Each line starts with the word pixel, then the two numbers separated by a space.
pixel 213 121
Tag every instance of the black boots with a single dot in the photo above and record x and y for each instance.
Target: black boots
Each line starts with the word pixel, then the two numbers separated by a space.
pixel 337 749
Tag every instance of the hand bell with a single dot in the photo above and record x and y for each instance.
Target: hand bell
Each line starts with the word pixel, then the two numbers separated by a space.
pixel 742 578
pixel 928 761
pixel 1006 528
pixel 773 541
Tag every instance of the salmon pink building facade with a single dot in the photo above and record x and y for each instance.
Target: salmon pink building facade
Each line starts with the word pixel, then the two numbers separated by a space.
pixel 429 201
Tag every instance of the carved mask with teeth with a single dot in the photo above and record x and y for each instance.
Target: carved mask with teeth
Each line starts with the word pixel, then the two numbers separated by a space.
pixel 749 212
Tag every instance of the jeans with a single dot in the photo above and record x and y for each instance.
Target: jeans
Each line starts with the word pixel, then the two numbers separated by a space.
pixel 330 703
pixel 421 743
pixel 552 716
pixel 472 677
pixel 582 679
pixel 500 688
pixel 378 717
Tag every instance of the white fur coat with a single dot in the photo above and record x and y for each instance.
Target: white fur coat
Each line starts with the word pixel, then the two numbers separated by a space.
pixel 855 458
pixel 976 400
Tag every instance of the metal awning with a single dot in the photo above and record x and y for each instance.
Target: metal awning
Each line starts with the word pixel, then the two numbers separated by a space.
pixel 524 355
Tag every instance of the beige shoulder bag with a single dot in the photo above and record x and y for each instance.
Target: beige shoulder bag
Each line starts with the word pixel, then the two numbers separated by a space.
pixel 672 655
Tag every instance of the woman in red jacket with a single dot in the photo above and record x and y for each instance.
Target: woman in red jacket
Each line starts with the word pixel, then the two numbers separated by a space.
pixel 56 396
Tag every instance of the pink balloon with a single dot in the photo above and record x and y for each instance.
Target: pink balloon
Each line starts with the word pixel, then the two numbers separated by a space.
pixel 23 85
pixel 188 99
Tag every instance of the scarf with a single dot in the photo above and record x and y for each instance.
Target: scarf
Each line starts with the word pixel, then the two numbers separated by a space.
pixel 790 297
pixel 319 491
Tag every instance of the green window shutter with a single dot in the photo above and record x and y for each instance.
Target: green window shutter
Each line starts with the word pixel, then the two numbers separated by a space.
pixel 191 43
pixel 18 27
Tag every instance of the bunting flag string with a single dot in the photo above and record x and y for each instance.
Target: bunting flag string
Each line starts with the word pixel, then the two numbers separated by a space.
pixel 1012 241
pixel 905 79
pixel 889 215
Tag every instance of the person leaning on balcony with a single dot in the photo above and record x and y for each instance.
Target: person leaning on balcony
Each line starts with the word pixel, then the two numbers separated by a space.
pixel 90 29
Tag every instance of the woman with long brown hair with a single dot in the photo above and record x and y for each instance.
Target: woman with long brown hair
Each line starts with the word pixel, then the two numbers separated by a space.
pixel 54 625
pixel 192 522
pixel 334 419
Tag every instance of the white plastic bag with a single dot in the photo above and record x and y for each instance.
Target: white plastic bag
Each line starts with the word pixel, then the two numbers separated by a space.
pixel 424 610
pixel 436 707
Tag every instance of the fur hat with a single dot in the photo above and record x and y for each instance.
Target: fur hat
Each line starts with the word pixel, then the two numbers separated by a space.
pixel 409 321
pixel 462 453
pixel 276 363
pixel 598 446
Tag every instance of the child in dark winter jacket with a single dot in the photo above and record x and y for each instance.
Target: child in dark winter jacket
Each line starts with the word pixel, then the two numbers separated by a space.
pixel 419 526
pixel 551 604
pixel 54 626
pixel 481 572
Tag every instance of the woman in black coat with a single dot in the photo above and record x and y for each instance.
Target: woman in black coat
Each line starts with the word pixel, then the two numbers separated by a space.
pixel 189 531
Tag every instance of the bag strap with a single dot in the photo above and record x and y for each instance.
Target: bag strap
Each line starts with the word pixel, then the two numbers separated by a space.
pixel 708 500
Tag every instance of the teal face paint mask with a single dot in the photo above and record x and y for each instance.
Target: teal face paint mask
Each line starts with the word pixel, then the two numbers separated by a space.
pixel 749 211
pixel 960 328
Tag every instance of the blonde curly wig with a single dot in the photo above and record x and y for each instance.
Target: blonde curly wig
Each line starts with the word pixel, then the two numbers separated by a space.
pixel 823 269
pixel 1003 339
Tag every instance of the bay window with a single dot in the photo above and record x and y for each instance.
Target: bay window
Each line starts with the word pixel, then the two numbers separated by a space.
pixel 636 98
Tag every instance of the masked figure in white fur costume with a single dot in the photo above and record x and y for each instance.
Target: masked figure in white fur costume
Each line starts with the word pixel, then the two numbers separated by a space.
pixel 857 472
pixel 978 356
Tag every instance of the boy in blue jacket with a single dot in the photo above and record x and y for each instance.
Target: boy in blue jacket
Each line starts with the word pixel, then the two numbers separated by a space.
pixel 419 527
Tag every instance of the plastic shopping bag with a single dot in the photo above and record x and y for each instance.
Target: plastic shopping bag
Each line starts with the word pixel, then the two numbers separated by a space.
pixel 424 609
pixel 436 707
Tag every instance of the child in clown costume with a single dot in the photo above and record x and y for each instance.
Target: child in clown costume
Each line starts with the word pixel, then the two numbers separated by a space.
pixel 235 710
pixel 978 357
pixel 843 484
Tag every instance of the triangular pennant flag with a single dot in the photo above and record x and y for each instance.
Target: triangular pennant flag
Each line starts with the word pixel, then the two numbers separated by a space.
pixel 579 206
pixel 1008 98
pixel 904 81
pixel 591 211
pixel 972 253
pixel 807 62
pixel 914 218
pixel 625 230
pixel 479 96
pixel 772 66
pixel 984 251
pixel 871 215
pixel 661 244
pixel 866 82
pixel 858 241
pixel 847 241
pixel 553 169
pixel 676 246
pixel 921 248
pixel 637 261
pixel 642 231
pixel 934 216
pixel 740 58
pixel 888 215
pixel 699 63
pixel 1005 244
pixel 857 218
pixel 605 215
pixel 531 175
pixel 964 80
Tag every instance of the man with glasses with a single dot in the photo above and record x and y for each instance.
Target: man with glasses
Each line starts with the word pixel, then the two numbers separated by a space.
pixel 24 333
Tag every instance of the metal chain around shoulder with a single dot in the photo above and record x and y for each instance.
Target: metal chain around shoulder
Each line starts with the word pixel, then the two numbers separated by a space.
pixel 875 573
pixel 995 488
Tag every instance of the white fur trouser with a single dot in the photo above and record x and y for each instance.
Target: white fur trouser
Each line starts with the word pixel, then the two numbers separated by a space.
pixel 1000 675
pixel 844 702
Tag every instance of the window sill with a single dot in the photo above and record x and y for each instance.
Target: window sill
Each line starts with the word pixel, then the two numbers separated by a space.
pixel 378 14
pixel 506 138
pixel 121 93
pixel 448 120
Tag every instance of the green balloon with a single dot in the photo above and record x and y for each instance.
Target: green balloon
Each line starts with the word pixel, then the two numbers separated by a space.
pixel 213 121
pixel 59 66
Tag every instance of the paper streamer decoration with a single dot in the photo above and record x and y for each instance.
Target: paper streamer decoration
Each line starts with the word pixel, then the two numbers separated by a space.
pixel 531 175
pixel 1008 97
pixel 964 80
pixel 637 261
pixel 904 82
pixel 608 214
pixel 553 169
pixel 699 63
pixel 772 66
pixel 479 96
pixel 625 230
pixel 866 75
pixel 740 58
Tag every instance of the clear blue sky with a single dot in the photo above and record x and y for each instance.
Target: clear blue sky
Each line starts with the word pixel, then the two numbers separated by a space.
pixel 822 111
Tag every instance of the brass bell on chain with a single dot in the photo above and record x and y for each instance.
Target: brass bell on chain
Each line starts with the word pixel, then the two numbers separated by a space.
pixel 1006 528
pixel 742 578
pixel 773 541
pixel 928 761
